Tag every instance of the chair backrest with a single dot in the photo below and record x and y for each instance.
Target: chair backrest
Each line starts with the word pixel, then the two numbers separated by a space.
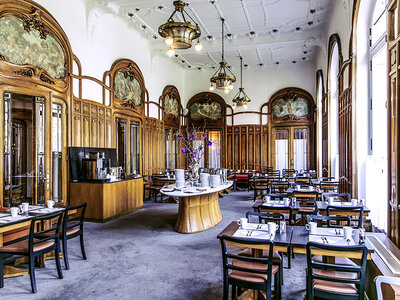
pixel 384 279
pixel 279 196
pixel 329 186
pixel 228 257
pixel 345 196
pixel 355 213
pixel 242 177
pixel 288 172
pixel 265 170
pixel 313 266
pixel 281 210
pixel 280 186
pixel 274 173
pixel 261 181
pixel 38 235
pixel 146 179
pixel 74 220
pixel 306 195
pixel 322 221
pixel 265 217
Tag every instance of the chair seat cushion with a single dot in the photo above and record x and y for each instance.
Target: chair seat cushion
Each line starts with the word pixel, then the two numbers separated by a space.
pixel 251 277
pixel 52 232
pixel 276 258
pixel 22 247
pixel 306 209
pixel 338 260
pixel 336 287
pixel 261 187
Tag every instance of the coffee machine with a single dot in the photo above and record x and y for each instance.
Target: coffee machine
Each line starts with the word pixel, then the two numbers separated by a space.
pixel 95 166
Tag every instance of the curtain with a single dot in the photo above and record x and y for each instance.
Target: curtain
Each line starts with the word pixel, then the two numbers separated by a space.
pixel 281 154
pixel 214 156
pixel 300 149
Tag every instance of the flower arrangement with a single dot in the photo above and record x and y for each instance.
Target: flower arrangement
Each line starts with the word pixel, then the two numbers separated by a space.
pixel 193 151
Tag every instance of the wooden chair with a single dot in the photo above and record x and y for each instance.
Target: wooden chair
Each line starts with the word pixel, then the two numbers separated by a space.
pixel 33 246
pixel 387 280
pixel 274 173
pixel 329 186
pixel 308 204
pixel 288 172
pixel 242 180
pixel 155 187
pixel 354 212
pixel 334 281
pixel 279 186
pixel 261 185
pixel 303 179
pixel 146 185
pixel 331 222
pixel 265 170
pixel 72 227
pixel 246 271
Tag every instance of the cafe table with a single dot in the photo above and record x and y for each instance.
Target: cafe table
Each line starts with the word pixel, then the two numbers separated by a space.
pixel 330 236
pixel 198 207
pixel 9 223
pixel 321 207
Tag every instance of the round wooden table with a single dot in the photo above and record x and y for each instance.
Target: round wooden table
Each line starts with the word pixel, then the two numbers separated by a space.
pixel 198 210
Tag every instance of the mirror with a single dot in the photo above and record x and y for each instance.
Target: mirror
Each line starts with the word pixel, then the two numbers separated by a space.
pixel 24 149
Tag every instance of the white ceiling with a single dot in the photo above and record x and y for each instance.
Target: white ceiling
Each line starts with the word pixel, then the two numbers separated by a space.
pixel 299 25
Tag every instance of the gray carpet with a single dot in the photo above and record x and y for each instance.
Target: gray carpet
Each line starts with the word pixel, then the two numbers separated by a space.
pixel 140 256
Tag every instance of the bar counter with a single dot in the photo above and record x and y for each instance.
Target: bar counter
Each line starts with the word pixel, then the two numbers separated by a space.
pixel 107 200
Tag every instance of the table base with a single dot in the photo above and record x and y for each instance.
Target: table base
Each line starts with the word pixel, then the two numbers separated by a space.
pixel 10 271
pixel 198 213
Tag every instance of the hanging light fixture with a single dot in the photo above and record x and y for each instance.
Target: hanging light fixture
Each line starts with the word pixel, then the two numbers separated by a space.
pixel 179 35
pixel 223 78
pixel 241 99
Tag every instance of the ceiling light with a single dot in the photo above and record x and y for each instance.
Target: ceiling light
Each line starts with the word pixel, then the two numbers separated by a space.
pixel 198 46
pixel 211 88
pixel 226 91
pixel 241 99
pixel 182 33
pixel 169 40
pixel 171 51
pixel 223 78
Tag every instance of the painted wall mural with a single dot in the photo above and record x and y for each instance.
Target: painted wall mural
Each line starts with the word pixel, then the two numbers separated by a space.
pixel 199 111
pixel 171 106
pixel 283 107
pixel 22 47
pixel 127 89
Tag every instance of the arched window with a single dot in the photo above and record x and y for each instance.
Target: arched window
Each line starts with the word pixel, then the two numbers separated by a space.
pixel 377 119
pixel 333 89
pixel 320 94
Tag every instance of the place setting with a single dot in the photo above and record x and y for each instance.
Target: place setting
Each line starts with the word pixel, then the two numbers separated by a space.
pixel 256 230
pixel 329 235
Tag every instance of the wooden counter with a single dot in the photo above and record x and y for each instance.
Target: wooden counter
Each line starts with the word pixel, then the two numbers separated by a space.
pixel 107 200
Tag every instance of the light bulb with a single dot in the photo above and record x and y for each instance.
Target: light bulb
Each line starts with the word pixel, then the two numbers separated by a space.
pixel 245 106
pixel 226 91
pixel 169 40
pixel 231 86
pixel 211 88
pixel 234 106
pixel 171 51
pixel 198 46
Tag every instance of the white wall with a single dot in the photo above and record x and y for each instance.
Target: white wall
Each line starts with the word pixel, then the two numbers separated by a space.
pixel 259 83
pixel 98 38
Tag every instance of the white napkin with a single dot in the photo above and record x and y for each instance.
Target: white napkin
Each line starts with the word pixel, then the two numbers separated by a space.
pixel 328 231
pixel 332 240
pixel 255 234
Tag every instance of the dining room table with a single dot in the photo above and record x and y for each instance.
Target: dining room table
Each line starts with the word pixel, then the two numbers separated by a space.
pixel 322 207
pixel 16 224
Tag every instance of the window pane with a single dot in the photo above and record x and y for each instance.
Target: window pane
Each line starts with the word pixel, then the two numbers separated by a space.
pixel 135 147
pixel 300 149
pixel 379 24
pixel 214 151
pixel 56 146
pixel 168 149
pixel 281 149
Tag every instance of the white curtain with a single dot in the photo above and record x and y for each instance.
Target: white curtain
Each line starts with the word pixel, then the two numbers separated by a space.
pixel 281 154
pixel 196 144
pixel 214 157
pixel 300 154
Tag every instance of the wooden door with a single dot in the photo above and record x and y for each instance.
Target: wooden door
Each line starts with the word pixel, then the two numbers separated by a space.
pixel 325 140
pixel 345 141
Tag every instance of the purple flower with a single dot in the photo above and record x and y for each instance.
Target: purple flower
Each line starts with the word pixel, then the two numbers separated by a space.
pixel 191 136
pixel 184 150
pixel 205 134
pixel 194 154
pixel 209 143
pixel 200 148
pixel 179 137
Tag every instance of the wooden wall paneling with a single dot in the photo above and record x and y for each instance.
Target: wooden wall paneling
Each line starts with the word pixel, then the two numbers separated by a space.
pixel 76 130
pixel 229 145
pixel 264 147
pixel 393 124
pixel 102 134
pixel 85 131
pixel 94 132
pixel 250 148
pixel 236 148
pixel 257 148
